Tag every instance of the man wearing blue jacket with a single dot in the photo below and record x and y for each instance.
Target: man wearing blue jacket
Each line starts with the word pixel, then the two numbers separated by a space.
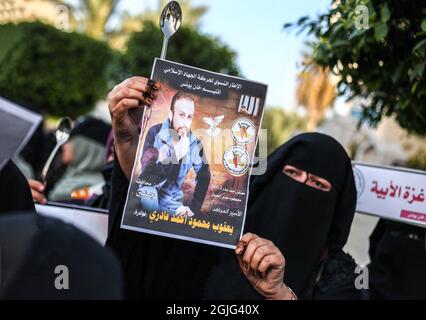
pixel 171 150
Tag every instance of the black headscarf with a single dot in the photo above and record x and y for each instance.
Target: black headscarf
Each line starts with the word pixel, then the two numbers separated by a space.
pixel 15 193
pixel 33 247
pixel 303 222
pixel 91 128
pixel 398 261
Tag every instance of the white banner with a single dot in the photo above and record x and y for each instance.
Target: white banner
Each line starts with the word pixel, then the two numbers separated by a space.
pixel 391 193
pixel 17 125
pixel 94 222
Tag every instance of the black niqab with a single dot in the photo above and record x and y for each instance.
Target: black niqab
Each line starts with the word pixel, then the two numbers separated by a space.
pixel 398 261
pixel 302 221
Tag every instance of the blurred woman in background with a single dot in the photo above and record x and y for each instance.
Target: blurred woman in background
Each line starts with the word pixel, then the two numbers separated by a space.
pixel 84 156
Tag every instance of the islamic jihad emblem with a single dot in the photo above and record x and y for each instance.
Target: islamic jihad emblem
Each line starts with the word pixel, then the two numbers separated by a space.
pixel 236 160
pixel 243 131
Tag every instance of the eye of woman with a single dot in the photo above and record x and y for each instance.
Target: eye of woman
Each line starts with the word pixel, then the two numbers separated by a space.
pixel 318 183
pixel 295 173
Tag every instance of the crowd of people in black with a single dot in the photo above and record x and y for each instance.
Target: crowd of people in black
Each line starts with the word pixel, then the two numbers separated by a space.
pixel 298 220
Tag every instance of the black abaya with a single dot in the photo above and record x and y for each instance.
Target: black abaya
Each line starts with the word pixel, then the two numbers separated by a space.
pixel 15 193
pixel 35 250
pixel 156 267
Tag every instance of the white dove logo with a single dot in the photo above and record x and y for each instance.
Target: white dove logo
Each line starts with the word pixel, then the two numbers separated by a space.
pixel 214 123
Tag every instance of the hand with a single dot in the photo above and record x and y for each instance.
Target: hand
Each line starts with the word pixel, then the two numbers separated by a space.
pixel 184 211
pixel 164 155
pixel 182 147
pixel 125 103
pixel 263 264
pixel 37 189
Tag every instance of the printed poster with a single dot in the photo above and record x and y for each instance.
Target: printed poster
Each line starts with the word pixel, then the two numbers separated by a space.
pixel 191 174
pixel 17 125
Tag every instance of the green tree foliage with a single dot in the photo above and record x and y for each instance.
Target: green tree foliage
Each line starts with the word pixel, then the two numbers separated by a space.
pixel 316 92
pixel 418 160
pixel 90 16
pixel 55 72
pixel 191 17
pixel 280 125
pixel 96 14
pixel 93 17
pixel 187 46
pixel 380 60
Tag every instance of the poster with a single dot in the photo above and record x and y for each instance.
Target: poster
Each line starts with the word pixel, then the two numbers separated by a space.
pixel 17 125
pixel 191 173
pixel 392 193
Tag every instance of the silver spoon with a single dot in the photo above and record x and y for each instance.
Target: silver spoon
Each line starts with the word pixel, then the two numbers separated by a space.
pixel 170 21
pixel 62 135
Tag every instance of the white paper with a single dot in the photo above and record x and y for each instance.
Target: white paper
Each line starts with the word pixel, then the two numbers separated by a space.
pixel 92 222
pixel 17 125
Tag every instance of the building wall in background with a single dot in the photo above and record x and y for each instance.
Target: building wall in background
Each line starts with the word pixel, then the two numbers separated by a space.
pixel 28 10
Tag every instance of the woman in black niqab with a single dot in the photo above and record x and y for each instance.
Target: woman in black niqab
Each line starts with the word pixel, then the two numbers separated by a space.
pixel 47 259
pixel 309 226
pixel 32 246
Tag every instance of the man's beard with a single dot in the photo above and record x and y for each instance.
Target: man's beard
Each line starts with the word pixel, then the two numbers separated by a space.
pixel 178 133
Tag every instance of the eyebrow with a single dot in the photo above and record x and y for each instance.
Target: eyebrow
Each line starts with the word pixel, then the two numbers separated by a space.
pixel 318 177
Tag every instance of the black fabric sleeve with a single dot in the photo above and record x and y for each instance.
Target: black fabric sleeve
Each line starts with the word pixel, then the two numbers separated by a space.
pixel 337 279
pixel 119 187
